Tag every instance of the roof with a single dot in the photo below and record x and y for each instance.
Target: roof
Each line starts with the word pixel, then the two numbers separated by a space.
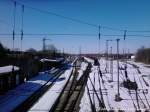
pixel 8 69
pixel 51 60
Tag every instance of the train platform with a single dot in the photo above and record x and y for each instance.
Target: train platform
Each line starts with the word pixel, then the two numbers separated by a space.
pixel 18 95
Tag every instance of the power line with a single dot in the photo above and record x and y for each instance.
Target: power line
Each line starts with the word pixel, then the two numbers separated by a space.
pixel 70 34
pixel 138 31
pixel 75 20
pixel 58 15
pixel 127 35
pixel 114 29
pixel 41 34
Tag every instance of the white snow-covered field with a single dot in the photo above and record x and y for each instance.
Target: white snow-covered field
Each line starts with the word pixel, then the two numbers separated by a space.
pixel 14 97
pixel 129 102
pixel 82 69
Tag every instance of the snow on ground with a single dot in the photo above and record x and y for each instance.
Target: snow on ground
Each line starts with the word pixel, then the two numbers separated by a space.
pixel 145 71
pixel 109 89
pixel 85 102
pixel 82 69
pixel 51 60
pixel 14 97
pixel 89 60
pixel 48 99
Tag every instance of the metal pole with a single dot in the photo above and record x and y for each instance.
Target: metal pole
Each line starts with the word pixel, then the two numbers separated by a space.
pixel 79 51
pixel 22 26
pixel 125 49
pixel 118 64
pixel 118 98
pixel 111 64
pixel 14 14
pixel 107 46
pixel 107 49
pixel 106 55
pixel 43 44
pixel 99 36
pixel 99 45
pixel 63 52
pixel 14 23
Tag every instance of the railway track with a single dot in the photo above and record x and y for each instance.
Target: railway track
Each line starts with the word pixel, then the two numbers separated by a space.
pixel 91 103
pixel 70 97
pixel 147 103
pixel 100 78
pixel 29 102
pixel 138 96
pixel 97 93
pixel 135 93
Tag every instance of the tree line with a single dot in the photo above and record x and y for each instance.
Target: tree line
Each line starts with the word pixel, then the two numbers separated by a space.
pixel 143 55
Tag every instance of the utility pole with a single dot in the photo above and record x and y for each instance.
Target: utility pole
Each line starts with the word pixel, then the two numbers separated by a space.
pixel 107 46
pixel 99 43
pixel 44 46
pixel 14 14
pixel 63 52
pixel 22 26
pixel 14 24
pixel 125 51
pixel 44 43
pixel 117 97
pixel 128 53
pixel 106 55
pixel 118 64
pixel 111 64
pixel 80 51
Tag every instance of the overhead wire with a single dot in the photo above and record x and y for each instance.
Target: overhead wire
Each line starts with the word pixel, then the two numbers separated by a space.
pixel 76 20
pixel 55 14
pixel 72 34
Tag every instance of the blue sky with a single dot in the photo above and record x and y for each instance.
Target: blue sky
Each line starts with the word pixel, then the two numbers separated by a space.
pixel 120 14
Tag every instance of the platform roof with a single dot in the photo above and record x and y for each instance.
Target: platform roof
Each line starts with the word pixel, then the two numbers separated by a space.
pixel 8 69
